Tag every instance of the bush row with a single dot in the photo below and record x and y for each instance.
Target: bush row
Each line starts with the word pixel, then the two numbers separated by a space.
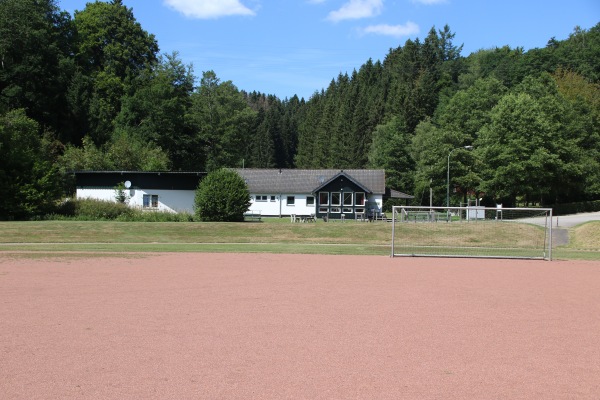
pixel 95 210
pixel 574 208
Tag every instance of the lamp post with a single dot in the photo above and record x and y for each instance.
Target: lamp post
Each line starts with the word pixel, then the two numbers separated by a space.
pixel 448 175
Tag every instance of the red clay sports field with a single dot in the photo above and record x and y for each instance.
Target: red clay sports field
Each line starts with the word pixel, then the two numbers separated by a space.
pixel 264 326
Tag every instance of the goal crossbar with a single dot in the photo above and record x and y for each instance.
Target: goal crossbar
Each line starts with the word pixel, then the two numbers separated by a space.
pixel 475 232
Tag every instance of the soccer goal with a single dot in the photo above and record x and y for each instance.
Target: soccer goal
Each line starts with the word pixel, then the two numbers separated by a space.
pixel 472 232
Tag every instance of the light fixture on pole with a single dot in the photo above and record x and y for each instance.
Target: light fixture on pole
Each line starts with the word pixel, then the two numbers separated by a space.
pixel 448 174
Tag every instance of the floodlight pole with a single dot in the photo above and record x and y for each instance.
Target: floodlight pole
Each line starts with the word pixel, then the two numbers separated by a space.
pixel 448 177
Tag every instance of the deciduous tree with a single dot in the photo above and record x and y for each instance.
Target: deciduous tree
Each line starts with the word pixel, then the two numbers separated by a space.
pixel 30 182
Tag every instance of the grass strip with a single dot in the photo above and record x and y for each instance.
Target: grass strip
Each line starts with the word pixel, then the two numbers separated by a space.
pixel 270 236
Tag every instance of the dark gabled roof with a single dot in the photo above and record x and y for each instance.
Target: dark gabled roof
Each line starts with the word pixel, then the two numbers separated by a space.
pixel 308 180
pixel 337 176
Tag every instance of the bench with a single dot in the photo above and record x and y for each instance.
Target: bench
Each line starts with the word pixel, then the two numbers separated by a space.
pixel 252 216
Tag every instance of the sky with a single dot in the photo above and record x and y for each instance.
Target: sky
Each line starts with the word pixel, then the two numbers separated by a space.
pixel 296 47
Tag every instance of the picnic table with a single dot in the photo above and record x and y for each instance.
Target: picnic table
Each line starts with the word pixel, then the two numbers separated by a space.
pixel 303 218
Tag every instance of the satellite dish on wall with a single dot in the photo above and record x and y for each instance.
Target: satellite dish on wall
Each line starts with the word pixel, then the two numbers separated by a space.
pixel 127 184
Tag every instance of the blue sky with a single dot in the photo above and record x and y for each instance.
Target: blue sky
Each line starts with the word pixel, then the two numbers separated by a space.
pixel 287 47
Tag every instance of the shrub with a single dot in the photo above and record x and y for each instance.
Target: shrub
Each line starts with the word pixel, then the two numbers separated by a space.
pixel 222 196
pixel 120 195
pixel 91 209
pixel 155 216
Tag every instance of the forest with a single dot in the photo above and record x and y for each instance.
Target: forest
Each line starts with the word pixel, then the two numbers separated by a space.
pixel 91 91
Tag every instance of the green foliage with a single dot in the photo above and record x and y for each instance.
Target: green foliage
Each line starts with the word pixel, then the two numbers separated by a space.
pixel 390 150
pixel 532 146
pixel 30 182
pixel 112 49
pixel 156 111
pixel 155 216
pixel 221 117
pixel 514 147
pixel 468 110
pixel 222 196
pixel 35 43
pixel 575 208
pixel 100 210
pixel 91 209
pixel 583 100
pixel 120 195
pixel 122 153
pixel 109 39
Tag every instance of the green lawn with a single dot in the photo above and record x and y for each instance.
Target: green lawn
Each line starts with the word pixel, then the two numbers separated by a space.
pixel 584 243
pixel 272 235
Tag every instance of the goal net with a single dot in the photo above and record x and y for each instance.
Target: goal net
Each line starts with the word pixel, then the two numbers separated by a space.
pixel 472 232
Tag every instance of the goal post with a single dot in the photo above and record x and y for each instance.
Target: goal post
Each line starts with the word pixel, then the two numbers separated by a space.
pixel 483 232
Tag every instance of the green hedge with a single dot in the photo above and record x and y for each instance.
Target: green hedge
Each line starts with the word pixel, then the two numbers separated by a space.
pixel 574 208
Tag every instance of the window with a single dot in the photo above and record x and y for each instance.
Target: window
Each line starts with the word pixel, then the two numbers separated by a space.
pixel 150 201
pixel 348 197
pixel 272 198
pixel 323 198
pixel 360 198
pixel 261 197
pixel 323 210
pixel 291 200
pixel 310 201
pixel 347 210
pixel 336 199
pixel 336 210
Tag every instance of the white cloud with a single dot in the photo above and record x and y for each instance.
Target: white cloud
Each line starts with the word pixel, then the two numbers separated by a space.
pixel 356 9
pixel 410 28
pixel 204 9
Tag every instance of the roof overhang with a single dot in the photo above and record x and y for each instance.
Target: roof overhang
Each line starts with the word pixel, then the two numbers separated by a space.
pixel 394 194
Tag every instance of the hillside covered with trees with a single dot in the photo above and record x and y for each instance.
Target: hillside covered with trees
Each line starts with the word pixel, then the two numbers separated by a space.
pixel 93 92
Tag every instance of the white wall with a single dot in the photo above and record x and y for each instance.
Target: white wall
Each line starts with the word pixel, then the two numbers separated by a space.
pixel 183 201
pixel 168 200
pixel 279 205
